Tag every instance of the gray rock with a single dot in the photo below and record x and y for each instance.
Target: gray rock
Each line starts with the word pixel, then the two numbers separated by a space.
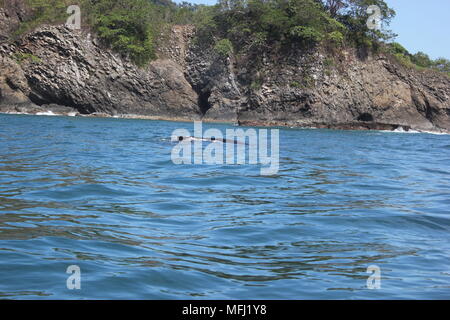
pixel 62 67
pixel 67 68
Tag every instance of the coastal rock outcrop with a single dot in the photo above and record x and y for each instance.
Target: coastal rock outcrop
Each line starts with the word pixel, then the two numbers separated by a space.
pixel 56 68
pixel 311 89
pixel 69 68
pixel 12 13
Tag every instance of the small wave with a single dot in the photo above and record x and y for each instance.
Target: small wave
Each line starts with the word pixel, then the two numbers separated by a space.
pixel 401 130
pixel 435 132
pixel 13 112
pixel 46 113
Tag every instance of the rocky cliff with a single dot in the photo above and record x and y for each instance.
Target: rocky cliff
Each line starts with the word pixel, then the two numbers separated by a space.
pixel 57 69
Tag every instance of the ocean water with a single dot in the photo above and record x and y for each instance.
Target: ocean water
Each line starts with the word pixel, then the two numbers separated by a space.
pixel 104 195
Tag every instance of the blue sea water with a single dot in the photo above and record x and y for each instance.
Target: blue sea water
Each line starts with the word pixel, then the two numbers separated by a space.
pixel 103 194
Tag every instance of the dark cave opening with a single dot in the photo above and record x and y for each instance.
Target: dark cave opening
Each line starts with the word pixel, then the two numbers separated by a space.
pixel 366 117
pixel 203 101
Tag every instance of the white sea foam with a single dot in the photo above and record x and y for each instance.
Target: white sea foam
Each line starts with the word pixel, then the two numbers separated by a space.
pixel 46 113
pixel 401 130
pixel 13 112
pixel 435 132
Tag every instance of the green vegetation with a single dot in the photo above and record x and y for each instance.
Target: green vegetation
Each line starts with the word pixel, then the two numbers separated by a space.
pixel 295 84
pixel 419 60
pixel 308 81
pixel 252 24
pixel 328 63
pixel 20 57
pixel 224 47
pixel 336 38
pixel 44 11
pixel 134 27
pixel 130 27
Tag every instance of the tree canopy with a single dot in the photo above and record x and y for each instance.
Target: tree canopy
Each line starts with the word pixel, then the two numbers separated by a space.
pixel 257 23
pixel 133 27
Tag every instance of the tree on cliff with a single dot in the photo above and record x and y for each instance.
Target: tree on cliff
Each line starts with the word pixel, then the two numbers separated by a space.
pixel 133 27
pixel 334 6
pixel 256 23
pixel 357 8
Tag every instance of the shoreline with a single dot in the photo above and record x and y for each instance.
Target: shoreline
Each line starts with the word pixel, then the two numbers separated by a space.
pixel 355 126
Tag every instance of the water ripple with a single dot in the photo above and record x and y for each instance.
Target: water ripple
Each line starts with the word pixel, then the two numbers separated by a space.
pixel 104 195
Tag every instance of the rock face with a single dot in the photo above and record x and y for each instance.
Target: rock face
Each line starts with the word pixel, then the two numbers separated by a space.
pixel 374 93
pixel 65 71
pixel 69 68
pixel 12 13
pixel 314 89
